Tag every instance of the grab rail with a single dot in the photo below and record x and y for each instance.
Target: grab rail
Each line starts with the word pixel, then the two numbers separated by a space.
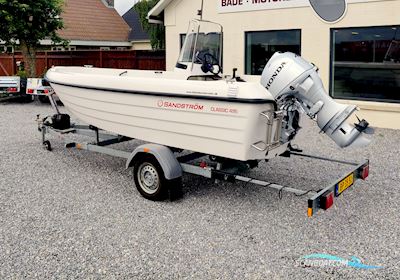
pixel 258 148
pixel 272 137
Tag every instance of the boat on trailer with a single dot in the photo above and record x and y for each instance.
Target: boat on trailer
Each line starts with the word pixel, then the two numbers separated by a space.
pixel 196 108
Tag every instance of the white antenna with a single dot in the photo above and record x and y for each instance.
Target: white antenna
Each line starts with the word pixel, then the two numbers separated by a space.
pixel 200 12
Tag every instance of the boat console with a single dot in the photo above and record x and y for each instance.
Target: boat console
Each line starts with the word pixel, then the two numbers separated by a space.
pixel 201 53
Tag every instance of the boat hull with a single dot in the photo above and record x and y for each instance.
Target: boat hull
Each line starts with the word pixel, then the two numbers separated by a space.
pixel 226 129
pixel 218 117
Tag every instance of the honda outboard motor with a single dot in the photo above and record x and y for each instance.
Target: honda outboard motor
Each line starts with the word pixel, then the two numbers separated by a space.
pixel 289 77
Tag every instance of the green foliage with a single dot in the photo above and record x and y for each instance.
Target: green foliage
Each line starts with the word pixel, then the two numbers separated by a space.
pixel 156 31
pixel 28 22
pixel 22 74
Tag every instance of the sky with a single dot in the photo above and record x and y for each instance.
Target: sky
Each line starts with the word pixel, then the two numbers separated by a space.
pixel 122 6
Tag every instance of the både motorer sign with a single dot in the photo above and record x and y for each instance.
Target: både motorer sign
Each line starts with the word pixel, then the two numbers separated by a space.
pixel 231 6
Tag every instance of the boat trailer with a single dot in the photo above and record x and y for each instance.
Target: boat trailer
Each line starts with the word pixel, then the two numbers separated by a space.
pixel 158 169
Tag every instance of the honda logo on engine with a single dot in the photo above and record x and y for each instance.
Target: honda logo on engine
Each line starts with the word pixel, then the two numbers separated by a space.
pixel 277 71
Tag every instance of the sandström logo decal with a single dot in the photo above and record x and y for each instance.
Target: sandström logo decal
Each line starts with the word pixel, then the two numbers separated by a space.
pixel 325 260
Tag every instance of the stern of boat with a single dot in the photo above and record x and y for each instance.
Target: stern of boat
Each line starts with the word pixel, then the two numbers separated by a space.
pixel 266 138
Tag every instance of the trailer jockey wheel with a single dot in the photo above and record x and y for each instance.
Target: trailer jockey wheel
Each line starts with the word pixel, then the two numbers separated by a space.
pixel 149 178
pixel 47 145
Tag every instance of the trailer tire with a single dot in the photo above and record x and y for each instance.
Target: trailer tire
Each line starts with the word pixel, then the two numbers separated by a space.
pixel 43 99
pixel 149 178
pixel 26 98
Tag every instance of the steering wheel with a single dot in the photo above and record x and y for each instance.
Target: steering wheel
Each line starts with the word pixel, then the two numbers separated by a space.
pixel 209 63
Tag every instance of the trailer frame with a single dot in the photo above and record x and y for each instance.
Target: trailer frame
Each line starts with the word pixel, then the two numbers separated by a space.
pixel 174 166
pixel 321 199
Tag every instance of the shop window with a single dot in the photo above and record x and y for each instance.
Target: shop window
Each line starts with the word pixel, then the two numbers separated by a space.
pixel 365 63
pixel 6 49
pixel 58 48
pixel 261 45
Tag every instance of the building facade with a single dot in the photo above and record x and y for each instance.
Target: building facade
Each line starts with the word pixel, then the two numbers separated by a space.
pixel 138 37
pixel 358 54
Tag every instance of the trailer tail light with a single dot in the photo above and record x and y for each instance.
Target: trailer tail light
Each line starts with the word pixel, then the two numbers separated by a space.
pixel 327 200
pixel 46 91
pixel 310 212
pixel 364 172
pixel 12 89
pixel 30 90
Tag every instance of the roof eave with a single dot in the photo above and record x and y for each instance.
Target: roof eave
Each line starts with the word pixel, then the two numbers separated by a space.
pixel 155 20
pixel 154 15
pixel 140 41
pixel 82 42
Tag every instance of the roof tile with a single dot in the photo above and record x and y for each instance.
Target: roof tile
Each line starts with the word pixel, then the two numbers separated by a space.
pixel 137 32
pixel 91 20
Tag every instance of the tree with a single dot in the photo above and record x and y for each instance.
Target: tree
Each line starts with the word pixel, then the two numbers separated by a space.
pixel 28 22
pixel 156 31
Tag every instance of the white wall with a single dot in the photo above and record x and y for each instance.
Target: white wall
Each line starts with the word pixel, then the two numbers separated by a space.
pixel 141 45
pixel 315 37
pixel 122 6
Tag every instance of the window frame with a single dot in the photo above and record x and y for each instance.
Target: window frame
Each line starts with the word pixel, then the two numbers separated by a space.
pixel 268 31
pixel 182 37
pixel 331 70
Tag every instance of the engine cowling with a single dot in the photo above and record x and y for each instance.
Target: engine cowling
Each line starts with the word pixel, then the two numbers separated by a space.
pixel 287 76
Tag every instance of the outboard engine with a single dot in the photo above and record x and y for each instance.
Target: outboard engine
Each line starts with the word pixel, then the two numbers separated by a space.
pixel 296 85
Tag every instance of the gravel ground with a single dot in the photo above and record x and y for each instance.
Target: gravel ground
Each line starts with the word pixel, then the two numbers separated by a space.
pixel 77 215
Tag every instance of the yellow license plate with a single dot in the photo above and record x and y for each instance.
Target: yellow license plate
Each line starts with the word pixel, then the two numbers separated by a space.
pixel 345 184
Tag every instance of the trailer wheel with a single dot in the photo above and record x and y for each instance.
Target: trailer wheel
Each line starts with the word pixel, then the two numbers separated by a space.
pixel 43 99
pixel 26 98
pixel 149 178
pixel 47 145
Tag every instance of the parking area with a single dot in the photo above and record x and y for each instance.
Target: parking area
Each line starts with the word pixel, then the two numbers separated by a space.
pixel 75 214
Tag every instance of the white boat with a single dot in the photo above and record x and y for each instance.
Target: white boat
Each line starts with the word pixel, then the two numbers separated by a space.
pixel 194 108
pixel 213 117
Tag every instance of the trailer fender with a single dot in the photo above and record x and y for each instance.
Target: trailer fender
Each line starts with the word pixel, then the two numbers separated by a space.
pixel 165 157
